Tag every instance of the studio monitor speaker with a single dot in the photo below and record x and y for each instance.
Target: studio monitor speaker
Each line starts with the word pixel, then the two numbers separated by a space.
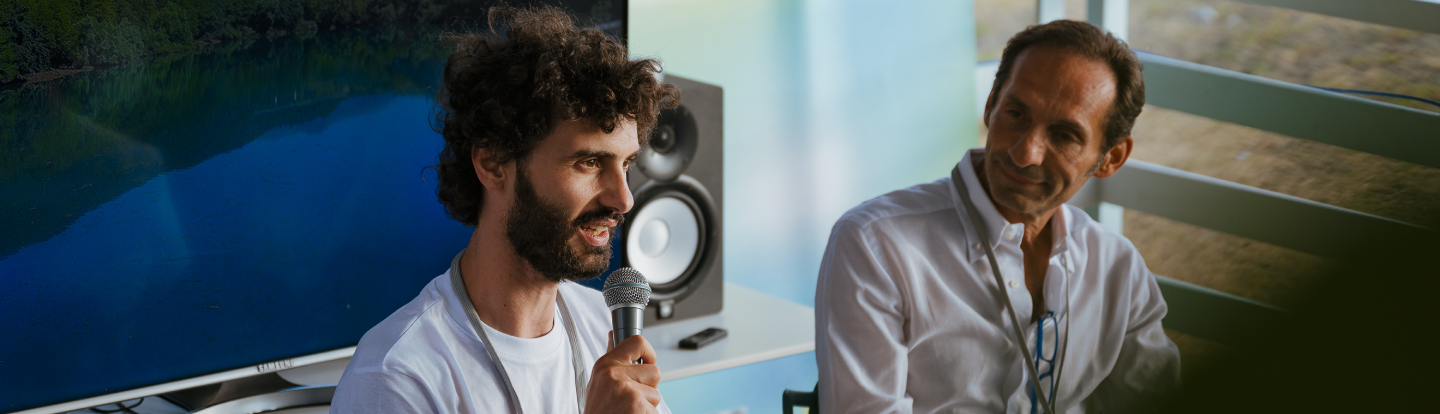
pixel 674 233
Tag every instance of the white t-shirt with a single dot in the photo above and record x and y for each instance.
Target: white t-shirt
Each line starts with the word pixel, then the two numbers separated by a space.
pixel 908 319
pixel 427 358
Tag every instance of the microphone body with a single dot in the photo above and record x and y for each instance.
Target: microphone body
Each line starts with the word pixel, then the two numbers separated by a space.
pixel 626 321
pixel 626 293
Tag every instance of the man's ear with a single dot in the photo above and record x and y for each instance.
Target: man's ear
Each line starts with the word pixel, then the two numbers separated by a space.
pixel 1115 157
pixel 493 175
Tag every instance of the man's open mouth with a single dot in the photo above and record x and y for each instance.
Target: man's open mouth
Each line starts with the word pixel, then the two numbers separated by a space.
pixel 596 234
pixel 596 231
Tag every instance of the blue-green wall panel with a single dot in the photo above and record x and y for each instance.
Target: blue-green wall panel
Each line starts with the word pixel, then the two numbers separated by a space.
pixel 827 104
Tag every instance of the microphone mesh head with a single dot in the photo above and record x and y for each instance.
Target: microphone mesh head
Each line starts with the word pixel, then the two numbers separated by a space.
pixel 616 295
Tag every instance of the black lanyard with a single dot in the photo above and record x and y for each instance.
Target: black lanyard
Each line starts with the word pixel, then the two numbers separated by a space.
pixel 983 232
pixel 577 359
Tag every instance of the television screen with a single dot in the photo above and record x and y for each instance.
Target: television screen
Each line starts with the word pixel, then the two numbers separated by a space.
pixel 218 204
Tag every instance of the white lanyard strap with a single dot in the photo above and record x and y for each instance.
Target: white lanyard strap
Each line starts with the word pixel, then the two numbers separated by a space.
pixel 576 357
pixel 980 229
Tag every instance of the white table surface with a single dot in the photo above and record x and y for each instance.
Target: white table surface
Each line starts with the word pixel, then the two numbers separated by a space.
pixel 761 327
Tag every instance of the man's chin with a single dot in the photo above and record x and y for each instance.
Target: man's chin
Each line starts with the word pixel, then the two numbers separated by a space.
pixel 591 264
pixel 1024 204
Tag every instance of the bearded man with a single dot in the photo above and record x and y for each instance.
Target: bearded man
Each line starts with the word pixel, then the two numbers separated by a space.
pixel 983 291
pixel 540 120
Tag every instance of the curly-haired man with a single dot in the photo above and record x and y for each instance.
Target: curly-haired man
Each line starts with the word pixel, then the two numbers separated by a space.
pixel 541 120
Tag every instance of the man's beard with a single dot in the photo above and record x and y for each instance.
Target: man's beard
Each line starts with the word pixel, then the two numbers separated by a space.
pixel 540 234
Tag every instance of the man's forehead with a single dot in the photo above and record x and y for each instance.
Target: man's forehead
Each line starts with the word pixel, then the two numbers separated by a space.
pixel 1052 79
pixel 584 137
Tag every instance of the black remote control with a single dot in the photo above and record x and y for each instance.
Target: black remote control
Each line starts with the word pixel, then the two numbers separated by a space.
pixel 705 337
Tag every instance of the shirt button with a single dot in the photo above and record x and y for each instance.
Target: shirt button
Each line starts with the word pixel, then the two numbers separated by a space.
pixel 1014 284
pixel 977 246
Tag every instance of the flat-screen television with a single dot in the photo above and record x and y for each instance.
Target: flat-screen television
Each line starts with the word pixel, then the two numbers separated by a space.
pixel 221 203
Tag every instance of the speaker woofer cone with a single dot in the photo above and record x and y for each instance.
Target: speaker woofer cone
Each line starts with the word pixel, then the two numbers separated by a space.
pixel 669 236
pixel 664 239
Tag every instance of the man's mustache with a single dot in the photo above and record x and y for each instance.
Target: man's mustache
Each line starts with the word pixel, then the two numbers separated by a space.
pixel 600 214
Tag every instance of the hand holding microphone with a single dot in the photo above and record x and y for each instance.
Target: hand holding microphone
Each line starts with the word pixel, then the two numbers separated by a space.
pixel 624 379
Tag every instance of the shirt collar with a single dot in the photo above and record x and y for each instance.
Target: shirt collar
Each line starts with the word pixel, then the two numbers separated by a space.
pixel 996 223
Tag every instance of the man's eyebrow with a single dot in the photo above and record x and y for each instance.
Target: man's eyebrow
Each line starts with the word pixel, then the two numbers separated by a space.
pixel 585 153
pixel 1070 125
pixel 1014 100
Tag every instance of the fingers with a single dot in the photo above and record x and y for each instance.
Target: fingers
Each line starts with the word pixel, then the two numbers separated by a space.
pixel 652 397
pixel 619 370
pixel 619 362
pixel 632 349
pixel 647 374
pixel 648 354
pixel 619 386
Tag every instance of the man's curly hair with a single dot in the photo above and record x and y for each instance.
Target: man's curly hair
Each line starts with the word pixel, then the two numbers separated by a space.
pixel 505 90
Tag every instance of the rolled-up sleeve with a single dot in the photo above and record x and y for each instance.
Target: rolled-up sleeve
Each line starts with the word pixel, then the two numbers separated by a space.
pixel 860 342
pixel 1148 365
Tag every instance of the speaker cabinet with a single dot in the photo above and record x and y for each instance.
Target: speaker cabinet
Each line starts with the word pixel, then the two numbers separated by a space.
pixel 674 233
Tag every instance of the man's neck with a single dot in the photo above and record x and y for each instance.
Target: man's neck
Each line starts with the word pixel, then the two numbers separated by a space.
pixel 509 295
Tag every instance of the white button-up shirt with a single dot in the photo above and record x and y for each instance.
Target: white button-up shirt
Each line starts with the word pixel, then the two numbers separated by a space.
pixel 908 317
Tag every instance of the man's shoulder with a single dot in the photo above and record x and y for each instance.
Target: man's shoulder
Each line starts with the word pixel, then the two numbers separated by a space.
pixel 585 297
pixel 906 204
pixel 405 337
pixel 587 304
pixel 1115 258
pixel 402 361
pixel 1095 236
pixel 592 316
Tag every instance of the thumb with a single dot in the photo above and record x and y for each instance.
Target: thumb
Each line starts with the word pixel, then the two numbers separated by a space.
pixel 609 341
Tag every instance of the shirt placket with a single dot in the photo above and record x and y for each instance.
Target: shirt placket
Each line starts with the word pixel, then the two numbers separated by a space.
pixel 1013 269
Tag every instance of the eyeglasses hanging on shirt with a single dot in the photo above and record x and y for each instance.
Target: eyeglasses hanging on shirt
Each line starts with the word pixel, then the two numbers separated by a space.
pixel 1047 336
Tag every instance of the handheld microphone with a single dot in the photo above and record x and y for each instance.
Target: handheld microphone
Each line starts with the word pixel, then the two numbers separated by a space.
pixel 626 292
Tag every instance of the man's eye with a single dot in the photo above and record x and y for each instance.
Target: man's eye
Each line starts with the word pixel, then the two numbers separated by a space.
pixel 592 163
pixel 626 165
pixel 1013 113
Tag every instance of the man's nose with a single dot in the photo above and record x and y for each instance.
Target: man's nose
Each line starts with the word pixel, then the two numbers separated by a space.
pixel 1029 149
pixel 615 191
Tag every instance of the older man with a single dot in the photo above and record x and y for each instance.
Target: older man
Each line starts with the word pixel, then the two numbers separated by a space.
pixel 935 298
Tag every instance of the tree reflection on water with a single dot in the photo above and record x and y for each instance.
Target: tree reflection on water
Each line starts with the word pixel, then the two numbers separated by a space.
pixel 72 144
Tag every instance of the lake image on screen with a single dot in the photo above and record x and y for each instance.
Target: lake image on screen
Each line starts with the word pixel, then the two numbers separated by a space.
pixel 212 210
